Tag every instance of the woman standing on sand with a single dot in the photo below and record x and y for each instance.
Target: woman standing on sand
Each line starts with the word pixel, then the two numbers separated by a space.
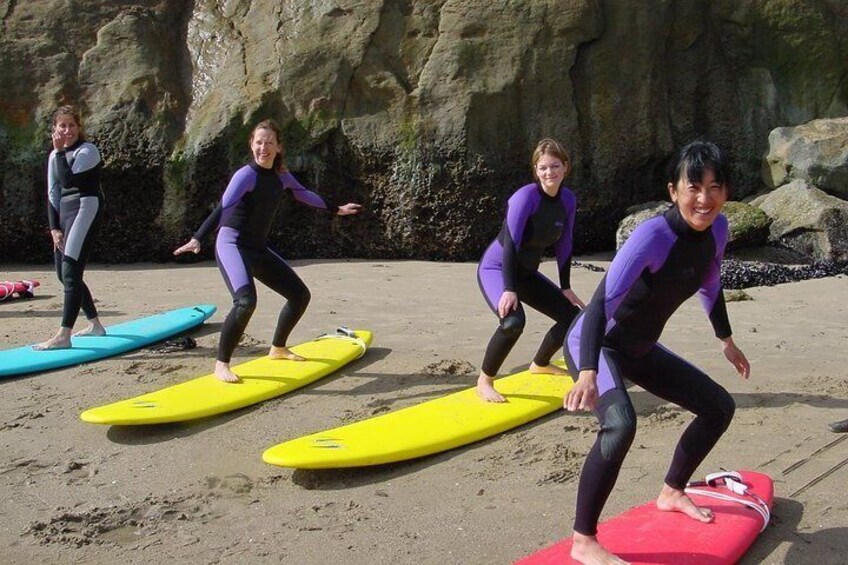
pixel 75 204
pixel 666 260
pixel 244 218
pixel 538 215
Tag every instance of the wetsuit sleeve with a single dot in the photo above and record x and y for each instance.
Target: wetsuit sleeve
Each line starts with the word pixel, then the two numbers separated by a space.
pixel 306 196
pixel 54 193
pixel 565 245
pixel 242 182
pixel 711 293
pixel 644 249
pixel 518 210
pixel 209 224
pixel 82 167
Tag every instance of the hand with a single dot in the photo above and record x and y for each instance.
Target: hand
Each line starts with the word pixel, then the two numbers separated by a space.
pixel 584 394
pixel 569 294
pixel 58 240
pixel 58 141
pixel 349 209
pixel 507 303
pixel 192 246
pixel 736 357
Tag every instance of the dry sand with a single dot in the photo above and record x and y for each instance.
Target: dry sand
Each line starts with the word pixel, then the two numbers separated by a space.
pixel 199 493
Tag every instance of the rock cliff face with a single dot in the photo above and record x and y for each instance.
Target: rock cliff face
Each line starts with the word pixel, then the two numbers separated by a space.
pixel 424 111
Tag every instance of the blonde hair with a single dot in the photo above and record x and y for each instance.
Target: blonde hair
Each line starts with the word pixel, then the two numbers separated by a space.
pixel 548 146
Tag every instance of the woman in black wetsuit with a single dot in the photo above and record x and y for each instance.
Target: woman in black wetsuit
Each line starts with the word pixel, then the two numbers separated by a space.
pixel 243 220
pixel 666 260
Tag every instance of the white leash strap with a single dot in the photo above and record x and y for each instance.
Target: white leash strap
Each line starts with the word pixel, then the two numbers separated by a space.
pixel 733 482
pixel 346 334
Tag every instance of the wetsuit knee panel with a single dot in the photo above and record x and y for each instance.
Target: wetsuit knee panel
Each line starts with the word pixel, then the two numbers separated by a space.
pixel 245 302
pixel 617 431
pixel 512 325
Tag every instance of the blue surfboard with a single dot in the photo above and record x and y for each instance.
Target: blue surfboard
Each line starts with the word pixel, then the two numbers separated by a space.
pixel 119 339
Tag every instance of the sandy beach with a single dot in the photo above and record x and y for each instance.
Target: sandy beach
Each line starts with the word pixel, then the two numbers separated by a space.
pixel 73 492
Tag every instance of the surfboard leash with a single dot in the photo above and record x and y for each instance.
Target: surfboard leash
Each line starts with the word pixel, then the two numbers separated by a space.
pixel 346 334
pixel 732 481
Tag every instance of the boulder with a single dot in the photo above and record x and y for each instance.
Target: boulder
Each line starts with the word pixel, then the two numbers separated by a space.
pixel 808 220
pixel 816 152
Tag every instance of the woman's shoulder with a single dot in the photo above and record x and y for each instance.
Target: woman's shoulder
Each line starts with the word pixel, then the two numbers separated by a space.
pixel 526 192
pixel 566 194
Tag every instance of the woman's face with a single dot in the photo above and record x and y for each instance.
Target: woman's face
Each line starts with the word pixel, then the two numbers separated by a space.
pixel 67 128
pixel 550 171
pixel 700 203
pixel 265 147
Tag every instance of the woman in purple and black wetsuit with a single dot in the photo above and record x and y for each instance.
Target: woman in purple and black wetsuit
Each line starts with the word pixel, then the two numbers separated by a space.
pixel 75 204
pixel 665 261
pixel 244 218
pixel 538 216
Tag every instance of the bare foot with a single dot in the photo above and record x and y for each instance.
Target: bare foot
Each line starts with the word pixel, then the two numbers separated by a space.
pixel 223 373
pixel 549 369
pixel 62 340
pixel 95 328
pixel 284 353
pixel 486 389
pixel 674 500
pixel 587 550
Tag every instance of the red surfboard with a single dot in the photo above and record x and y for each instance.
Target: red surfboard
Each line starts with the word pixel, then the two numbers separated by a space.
pixel 644 535
pixel 22 288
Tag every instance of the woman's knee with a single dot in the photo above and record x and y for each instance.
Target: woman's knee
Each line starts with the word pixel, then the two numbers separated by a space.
pixel 245 303
pixel 512 325
pixel 617 431
pixel 725 408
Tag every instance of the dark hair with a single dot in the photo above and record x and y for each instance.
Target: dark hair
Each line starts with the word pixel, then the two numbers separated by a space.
pixel 696 158
pixel 279 159
pixel 68 111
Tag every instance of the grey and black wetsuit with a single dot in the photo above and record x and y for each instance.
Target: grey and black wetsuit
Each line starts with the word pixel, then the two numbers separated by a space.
pixel 534 222
pixel 662 264
pixel 74 205
pixel 244 218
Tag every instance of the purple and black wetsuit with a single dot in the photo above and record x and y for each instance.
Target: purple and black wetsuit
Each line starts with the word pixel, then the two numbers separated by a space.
pixel 244 218
pixel 662 264
pixel 534 221
pixel 74 205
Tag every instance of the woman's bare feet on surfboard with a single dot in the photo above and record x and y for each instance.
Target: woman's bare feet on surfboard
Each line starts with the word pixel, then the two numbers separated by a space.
pixel 223 373
pixel 62 340
pixel 284 353
pixel 95 328
pixel 587 550
pixel 486 389
pixel 549 369
pixel 675 500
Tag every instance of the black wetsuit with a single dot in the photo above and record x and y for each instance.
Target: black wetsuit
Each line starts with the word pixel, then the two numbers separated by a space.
pixel 245 216
pixel 534 222
pixel 662 264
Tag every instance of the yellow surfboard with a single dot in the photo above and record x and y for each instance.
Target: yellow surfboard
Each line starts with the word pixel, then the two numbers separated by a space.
pixel 430 427
pixel 261 379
